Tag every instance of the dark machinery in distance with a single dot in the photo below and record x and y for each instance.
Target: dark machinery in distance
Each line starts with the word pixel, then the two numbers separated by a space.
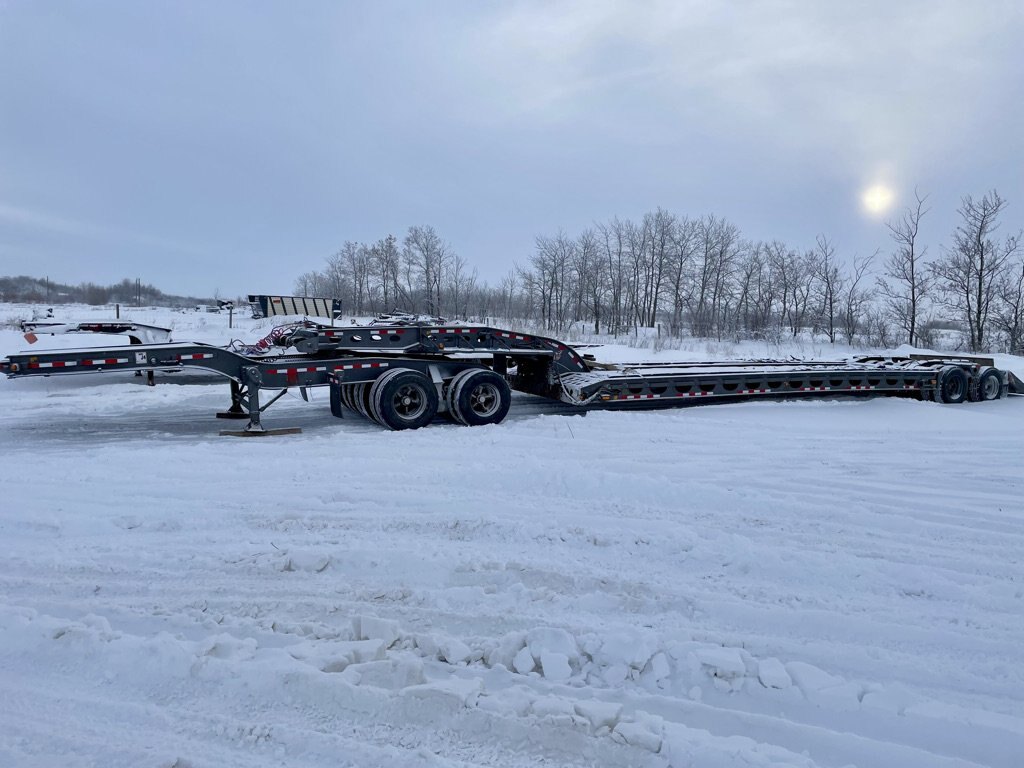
pixel 402 376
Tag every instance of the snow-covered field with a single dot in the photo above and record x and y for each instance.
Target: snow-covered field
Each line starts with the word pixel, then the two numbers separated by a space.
pixel 767 584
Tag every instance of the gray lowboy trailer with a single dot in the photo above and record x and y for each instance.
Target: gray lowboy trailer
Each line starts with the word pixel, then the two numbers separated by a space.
pixel 402 376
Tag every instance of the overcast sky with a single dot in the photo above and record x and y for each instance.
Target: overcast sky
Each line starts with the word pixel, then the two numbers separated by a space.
pixel 231 146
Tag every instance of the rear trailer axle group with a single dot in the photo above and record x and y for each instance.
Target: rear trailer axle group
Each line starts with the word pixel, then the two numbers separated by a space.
pixel 402 377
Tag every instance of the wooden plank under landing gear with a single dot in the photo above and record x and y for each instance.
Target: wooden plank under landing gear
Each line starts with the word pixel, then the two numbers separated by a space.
pixel 261 433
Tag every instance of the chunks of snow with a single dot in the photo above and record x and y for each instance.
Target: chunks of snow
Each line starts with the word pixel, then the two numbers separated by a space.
pixel 555 666
pixel 552 706
pixel 810 678
pixel 726 663
pixel 336 655
pixel 773 674
pixel 454 651
pixel 632 649
pixel 458 690
pixel 373 628
pixel 645 732
pixel 552 640
pixel 523 663
pixel 599 713
pixel 305 560
pixel 658 667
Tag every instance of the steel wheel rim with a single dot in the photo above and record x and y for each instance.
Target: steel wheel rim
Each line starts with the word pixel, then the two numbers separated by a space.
pixel 484 400
pixel 991 388
pixel 409 402
pixel 954 388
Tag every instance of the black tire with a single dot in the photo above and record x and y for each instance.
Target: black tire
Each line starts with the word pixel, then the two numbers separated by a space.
pixel 989 385
pixel 952 386
pixel 403 399
pixel 344 395
pixel 349 398
pixel 478 396
pixel 452 408
pixel 359 396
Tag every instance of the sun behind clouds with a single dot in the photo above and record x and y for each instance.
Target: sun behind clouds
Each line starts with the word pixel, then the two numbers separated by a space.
pixel 877 199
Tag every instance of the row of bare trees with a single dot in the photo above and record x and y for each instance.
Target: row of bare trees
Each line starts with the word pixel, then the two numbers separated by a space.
pixel 422 273
pixel 977 282
pixel 700 277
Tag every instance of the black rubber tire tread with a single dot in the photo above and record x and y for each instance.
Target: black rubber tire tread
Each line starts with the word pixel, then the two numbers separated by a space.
pixel 945 390
pixel 345 399
pixel 986 375
pixel 350 397
pixel 371 397
pixel 359 392
pixel 365 401
pixel 384 389
pixel 462 394
pixel 453 409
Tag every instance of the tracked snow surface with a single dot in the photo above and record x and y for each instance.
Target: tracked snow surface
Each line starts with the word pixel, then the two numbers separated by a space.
pixel 828 583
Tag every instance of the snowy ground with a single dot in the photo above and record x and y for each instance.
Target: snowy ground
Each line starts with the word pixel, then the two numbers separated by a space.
pixel 765 584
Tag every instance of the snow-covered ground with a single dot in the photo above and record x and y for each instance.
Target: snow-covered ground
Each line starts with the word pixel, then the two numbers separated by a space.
pixel 766 584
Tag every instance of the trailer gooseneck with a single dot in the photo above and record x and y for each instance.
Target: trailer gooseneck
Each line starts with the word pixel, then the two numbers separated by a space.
pixel 402 376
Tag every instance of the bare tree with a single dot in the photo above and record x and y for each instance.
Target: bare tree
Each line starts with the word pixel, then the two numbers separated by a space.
pixel 385 261
pixel 590 274
pixel 680 268
pixel 830 284
pixel 1009 317
pixel 459 284
pixel 856 301
pixel 908 283
pixel 612 244
pixel 426 257
pixel 305 284
pixel 972 268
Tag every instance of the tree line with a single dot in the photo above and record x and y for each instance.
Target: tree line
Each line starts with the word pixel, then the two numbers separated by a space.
pixel 40 290
pixel 698 276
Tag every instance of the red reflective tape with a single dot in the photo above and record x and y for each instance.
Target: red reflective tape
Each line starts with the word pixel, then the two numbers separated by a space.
pixel 293 376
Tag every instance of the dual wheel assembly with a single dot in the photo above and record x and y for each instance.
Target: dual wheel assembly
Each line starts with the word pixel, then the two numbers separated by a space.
pixel 955 385
pixel 404 398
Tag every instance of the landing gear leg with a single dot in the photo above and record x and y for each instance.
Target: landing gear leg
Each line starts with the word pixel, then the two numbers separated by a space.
pixel 250 398
pixel 237 400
